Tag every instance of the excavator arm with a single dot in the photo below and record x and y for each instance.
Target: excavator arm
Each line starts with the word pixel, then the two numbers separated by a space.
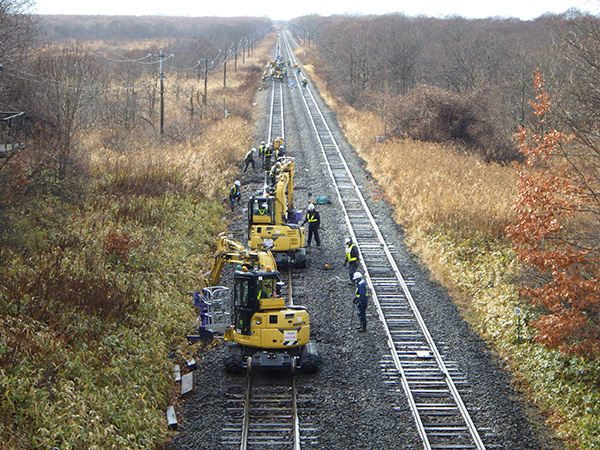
pixel 229 251
pixel 284 190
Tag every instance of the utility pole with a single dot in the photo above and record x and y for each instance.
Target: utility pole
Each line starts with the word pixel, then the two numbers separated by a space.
pixel 224 85
pixel 205 87
pixel 235 57
pixel 205 84
pixel 162 95
pixel 161 76
pixel 244 50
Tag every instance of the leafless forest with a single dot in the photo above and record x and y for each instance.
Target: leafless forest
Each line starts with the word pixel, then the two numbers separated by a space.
pixel 457 80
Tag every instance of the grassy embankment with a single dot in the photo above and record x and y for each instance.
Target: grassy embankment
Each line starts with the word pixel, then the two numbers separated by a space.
pixel 453 208
pixel 93 294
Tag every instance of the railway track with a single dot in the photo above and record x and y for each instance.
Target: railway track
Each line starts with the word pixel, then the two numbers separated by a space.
pixel 430 384
pixel 265 412
pixel 276 117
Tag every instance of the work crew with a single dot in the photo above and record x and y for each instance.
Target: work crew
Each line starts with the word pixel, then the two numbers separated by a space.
pixel 267 160
pixel 274 172
pixel 281 150
pixel 235 193
pixel 250 159
pixel 351 259
pixel 304 82
pixel 361 299
pixel 261 150
pixel 314 222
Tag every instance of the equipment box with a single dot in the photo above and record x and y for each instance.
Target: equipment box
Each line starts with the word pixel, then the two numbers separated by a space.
pixel 322 200
pixel 295 217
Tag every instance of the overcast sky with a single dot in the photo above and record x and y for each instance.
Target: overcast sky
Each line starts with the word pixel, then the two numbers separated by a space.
pixel 288 9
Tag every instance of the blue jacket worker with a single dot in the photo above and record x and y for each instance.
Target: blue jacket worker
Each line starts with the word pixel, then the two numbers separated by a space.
pixel 361 299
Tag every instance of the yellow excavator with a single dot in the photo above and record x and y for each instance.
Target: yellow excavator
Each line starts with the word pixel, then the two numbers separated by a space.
pixel 263 332
pixel 273 221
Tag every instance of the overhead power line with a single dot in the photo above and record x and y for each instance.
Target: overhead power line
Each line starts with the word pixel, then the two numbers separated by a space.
pixel 38 79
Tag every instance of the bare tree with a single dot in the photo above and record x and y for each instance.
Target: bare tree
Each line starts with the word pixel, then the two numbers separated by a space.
pixel 17 38
pixel 66 99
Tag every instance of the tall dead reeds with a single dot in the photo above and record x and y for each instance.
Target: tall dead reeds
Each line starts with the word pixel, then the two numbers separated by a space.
pixel 432 185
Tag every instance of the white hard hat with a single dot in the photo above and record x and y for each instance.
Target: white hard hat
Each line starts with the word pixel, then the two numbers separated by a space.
pixel 311 207
pixel 356 276
pixel 348 240
pixel 237 182
pixel 253 149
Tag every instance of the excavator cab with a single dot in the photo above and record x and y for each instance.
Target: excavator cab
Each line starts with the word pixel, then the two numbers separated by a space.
pixel 273 220
pixel 252 292
pixel 261 210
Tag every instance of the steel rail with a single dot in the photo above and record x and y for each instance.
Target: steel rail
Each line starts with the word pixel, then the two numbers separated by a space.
pixel 296 419
pixel 315 112
pixel 276 103
pixel 246 419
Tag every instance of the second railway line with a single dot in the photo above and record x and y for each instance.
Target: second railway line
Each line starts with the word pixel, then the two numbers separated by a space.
pixel 445 421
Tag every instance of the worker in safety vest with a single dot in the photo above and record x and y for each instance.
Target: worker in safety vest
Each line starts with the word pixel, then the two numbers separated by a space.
pixel 263 210
pixel 351 259
pixel 261 150
pixel 249 159
pixel 361 299
pixel 274 172
pixel 314 222
pixel 267 160
pixel 235 193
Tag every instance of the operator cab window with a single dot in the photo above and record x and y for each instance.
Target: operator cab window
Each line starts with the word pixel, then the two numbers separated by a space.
pixel 266 288
pixel 260 208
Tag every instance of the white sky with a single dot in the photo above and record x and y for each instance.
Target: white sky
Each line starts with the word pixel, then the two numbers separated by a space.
pixel 288 9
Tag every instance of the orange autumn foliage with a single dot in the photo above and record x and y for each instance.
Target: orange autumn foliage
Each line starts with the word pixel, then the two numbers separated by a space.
pixel 549 199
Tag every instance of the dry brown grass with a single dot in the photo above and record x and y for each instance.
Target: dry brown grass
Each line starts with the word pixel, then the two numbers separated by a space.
pixel 201 154
pixel 431 185
pixel 202 167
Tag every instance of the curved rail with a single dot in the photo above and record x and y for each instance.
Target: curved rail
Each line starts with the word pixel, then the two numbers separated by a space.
pixel 440 414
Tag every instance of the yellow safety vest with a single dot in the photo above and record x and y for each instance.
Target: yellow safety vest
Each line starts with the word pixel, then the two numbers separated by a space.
pixel 348 253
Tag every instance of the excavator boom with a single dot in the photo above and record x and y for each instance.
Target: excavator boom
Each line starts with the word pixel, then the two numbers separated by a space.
pixel 229 251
